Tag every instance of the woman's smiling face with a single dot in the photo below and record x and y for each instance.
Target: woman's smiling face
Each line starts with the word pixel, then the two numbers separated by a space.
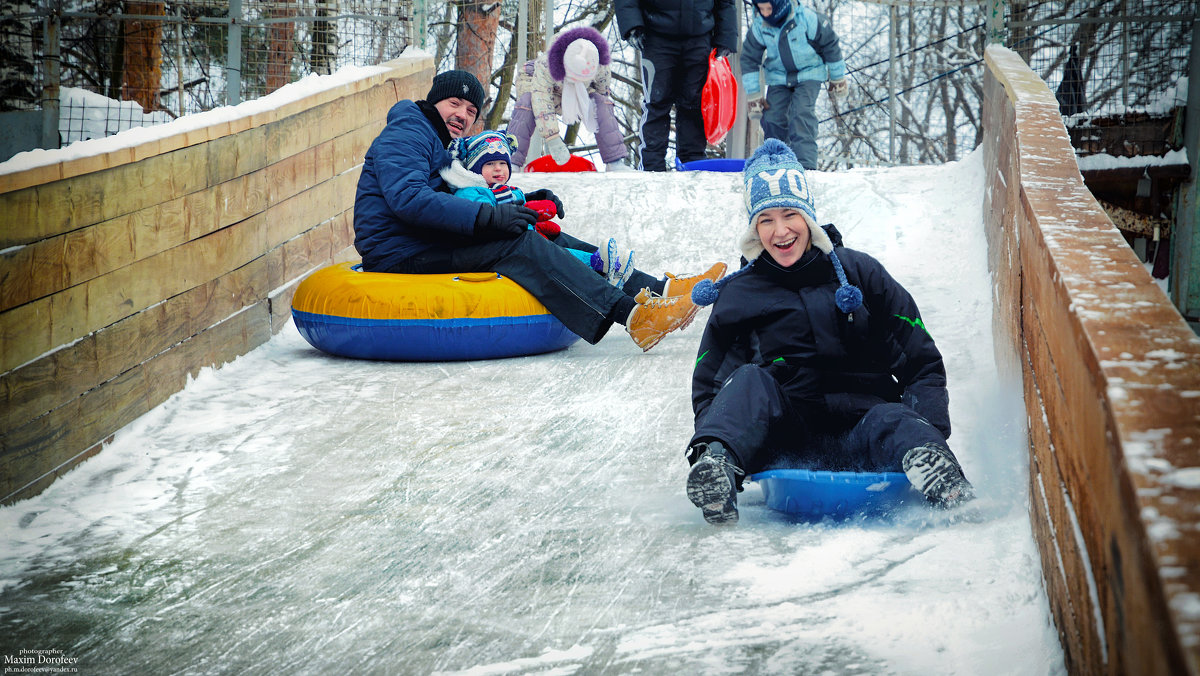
pixel 784 234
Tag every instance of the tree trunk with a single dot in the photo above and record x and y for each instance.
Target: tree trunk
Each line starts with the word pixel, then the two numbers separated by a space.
pixel 143 55
pixel 324 41
pixel 280 48
pixel 495 114
pixel 477 25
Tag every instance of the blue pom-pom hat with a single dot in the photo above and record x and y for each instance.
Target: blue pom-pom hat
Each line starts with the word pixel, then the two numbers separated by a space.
pixel 773 178
pixel 486 146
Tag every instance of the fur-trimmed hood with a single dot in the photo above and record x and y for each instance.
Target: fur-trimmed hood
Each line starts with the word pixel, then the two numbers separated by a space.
pixel 558 48
pixel 457 176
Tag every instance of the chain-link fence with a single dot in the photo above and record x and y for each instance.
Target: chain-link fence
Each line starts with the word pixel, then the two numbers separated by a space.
pixel 915 69
pixel 1114 63
pixel 112 64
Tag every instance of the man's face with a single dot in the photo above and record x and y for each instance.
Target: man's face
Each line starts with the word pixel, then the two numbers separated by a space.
pixel 458 114
pixel 784 234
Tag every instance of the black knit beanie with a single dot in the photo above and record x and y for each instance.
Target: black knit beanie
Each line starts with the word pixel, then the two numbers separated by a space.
pixel 456 83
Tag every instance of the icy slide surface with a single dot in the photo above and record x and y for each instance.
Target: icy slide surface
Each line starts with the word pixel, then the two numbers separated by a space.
pixel 298 513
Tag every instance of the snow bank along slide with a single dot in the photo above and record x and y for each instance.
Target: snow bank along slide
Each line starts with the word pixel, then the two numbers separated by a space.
pixel 127 270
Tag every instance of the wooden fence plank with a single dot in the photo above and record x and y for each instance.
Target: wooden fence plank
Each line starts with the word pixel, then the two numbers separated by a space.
pixel 51 440
pixel 58 263
pixel 53 380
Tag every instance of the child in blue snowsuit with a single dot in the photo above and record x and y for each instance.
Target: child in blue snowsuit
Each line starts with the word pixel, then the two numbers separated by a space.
pixel 813 357
pixel 480 171
pixel 798 51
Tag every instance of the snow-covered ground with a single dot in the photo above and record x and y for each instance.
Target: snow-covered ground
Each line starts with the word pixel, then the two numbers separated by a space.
pixel 298 513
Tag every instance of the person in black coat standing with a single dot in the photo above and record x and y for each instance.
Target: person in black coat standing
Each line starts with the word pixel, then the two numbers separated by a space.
pixel 813 357
pixel 675 38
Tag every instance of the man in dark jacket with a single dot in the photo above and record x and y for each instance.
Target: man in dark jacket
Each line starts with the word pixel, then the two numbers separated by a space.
pixel 406 221
pixel 675 38
pixel 800 367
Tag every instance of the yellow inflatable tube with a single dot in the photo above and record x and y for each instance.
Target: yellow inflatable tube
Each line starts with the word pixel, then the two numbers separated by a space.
pixel 372 315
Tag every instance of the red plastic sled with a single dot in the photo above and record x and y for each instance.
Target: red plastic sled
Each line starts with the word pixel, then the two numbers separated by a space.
pixel 719 98
pixel 546 163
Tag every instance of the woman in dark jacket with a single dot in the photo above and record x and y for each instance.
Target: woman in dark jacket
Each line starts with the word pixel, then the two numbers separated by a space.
pixel 812 357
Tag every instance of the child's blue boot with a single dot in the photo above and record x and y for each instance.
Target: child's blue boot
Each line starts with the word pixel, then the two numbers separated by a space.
pixel 611 267
pixel 620 273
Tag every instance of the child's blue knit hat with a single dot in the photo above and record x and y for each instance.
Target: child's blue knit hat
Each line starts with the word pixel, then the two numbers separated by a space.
pixel 484 147
pixel 780 11
pixel 774 178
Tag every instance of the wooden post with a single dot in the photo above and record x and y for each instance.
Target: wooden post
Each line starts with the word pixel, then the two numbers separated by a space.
pixel 50 90
pixel 233 55
pixel 1185 254
pixel 522 32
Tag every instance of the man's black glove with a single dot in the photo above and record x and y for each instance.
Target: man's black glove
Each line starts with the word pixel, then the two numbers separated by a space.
pixel 545 194
pixel 636 38
pixel 723 51
pixel 503 221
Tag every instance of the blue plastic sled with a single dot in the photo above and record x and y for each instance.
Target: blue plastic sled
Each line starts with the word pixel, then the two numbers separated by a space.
pixel 818 494
pixel 718 164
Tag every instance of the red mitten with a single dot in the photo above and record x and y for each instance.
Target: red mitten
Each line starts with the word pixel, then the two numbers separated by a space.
pixel 544 208
pixel 548 229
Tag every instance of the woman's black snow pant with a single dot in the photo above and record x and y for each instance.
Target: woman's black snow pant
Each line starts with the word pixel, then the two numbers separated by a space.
pixel 752 416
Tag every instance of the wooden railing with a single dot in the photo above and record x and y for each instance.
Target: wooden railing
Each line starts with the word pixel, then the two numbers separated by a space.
pixel 1111 376
pixel 126 272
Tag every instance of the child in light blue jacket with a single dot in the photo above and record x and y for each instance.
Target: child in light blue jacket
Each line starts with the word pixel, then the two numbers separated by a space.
pixel 480 172
pixel 797 50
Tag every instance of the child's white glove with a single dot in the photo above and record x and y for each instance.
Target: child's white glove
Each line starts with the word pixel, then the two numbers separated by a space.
pixel 755 108
pixel 839 89
pixel 556 149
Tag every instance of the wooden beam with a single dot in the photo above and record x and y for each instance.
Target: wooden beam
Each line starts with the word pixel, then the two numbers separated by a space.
pixel 51 444
pixel 1108 366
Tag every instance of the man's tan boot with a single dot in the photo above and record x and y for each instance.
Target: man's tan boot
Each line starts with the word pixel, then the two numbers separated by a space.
pixel 682 287
pixel 683 284
pixel 656 316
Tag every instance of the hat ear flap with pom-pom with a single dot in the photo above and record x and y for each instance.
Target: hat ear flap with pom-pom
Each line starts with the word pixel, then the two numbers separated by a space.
pixel 848 297
pixel 706 291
